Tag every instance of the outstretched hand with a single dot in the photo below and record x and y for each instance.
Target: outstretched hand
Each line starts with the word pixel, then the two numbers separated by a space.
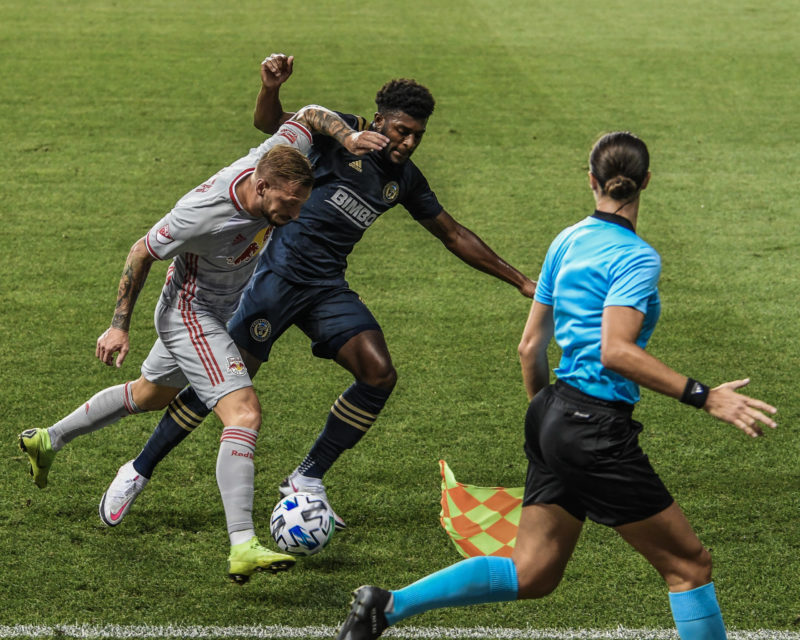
pixel 112 341
pixel 362 142
pixel 743 412
pixel 276 69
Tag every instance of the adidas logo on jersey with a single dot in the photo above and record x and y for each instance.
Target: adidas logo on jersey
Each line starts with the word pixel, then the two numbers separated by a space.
pixel 356 165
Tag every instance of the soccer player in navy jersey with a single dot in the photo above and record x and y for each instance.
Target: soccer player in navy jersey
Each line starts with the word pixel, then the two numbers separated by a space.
pixel 300 278
pixel 598 297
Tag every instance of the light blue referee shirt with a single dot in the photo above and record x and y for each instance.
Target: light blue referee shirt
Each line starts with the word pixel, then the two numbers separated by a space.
pixel 598 262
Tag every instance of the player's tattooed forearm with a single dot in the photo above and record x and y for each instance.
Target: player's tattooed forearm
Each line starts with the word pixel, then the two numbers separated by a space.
pixel 130 285
pixel 327 122
pixel 121 321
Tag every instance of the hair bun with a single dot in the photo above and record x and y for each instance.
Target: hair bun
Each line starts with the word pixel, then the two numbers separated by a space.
pixel 620 187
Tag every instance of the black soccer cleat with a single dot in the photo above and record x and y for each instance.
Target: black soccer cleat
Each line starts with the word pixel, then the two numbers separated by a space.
pixel 366 620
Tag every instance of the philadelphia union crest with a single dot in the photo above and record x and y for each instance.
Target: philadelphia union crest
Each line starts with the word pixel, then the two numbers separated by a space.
pixel 391 191
pixel 260 330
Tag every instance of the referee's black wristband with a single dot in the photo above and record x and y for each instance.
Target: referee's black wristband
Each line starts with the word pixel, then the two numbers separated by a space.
pixel 695 393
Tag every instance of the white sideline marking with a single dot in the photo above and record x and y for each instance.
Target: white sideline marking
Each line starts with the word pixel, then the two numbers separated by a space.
pixel 277 632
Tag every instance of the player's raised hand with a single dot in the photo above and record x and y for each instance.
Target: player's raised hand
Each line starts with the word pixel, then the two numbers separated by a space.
pixel 743 412
pixel 276 69
pixel 362 142
pixel 112 341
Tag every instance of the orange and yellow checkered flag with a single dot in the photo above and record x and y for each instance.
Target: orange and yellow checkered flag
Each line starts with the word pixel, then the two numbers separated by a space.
pixel 481 521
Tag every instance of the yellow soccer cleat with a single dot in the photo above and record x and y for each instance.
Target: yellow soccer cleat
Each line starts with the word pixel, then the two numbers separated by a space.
pixel 248 557
pixel 36 443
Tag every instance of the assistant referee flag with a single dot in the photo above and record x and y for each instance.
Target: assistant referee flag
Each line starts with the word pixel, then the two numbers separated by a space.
pixel 481 521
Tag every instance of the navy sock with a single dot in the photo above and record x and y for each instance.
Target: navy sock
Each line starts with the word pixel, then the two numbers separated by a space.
pixel 183 414
pixel 350 418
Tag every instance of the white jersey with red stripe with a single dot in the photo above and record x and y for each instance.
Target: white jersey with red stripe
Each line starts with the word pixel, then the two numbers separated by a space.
pixel 212 240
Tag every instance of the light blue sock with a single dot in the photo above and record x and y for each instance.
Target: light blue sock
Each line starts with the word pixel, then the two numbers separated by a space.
pixel 472 581
pixel 697 615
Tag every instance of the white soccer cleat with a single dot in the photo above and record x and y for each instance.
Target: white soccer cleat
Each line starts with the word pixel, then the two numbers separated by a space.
pixel 296 483
pixel 119 496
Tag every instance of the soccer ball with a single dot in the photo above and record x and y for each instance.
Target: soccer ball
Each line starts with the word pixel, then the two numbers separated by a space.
pixel 302 524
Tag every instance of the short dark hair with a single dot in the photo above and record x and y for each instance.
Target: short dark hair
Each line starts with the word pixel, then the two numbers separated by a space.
pixel 405 95
pixel 620 162
pixel 286 163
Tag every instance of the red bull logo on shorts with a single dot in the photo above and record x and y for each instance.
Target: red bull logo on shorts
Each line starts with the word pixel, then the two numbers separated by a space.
pixel 236 366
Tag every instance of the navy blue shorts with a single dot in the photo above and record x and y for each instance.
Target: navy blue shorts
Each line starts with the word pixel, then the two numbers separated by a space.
pixel 329 315
pixel 584 455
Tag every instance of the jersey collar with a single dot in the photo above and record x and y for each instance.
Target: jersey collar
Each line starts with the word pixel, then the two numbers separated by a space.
pixel 232 188
pixel 613 218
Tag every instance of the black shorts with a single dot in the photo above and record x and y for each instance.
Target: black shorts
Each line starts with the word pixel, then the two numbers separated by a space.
pixel 584 455
pixel 328 314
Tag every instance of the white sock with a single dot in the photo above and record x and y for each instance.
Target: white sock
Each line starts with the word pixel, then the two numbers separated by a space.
pixel 238 537
pixel 104 408
pixel 235 473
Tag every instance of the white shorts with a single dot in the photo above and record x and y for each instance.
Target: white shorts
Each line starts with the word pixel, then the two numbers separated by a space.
pixel 194 347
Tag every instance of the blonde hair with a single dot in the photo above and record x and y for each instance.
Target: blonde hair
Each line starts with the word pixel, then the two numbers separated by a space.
pixel 286 163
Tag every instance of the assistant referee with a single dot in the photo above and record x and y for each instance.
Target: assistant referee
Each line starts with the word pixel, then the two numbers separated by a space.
pixel 598 296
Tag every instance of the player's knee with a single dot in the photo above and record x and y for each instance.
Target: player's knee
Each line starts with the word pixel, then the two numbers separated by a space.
pixel 536 584
pixel 249 416
pixel 689 572
pixel 148 396
pixel 701 568
pixel 382 375
pixel 240 408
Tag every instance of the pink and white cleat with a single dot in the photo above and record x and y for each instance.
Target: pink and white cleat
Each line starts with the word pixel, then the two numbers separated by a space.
pixel 119 496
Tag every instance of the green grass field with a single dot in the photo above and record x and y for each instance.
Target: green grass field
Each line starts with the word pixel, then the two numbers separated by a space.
pixel 110 111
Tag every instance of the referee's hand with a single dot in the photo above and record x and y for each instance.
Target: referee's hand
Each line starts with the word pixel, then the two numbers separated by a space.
pixel 743 412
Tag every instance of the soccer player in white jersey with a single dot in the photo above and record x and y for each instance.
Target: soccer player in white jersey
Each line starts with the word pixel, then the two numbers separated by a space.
pixel 213 235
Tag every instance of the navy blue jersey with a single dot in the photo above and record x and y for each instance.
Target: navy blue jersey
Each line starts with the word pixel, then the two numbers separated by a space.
pixel 350 193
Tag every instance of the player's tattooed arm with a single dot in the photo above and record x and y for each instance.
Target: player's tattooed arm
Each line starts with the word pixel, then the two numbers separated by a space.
pixel 322 120
pixel 115 339
pixel 134 275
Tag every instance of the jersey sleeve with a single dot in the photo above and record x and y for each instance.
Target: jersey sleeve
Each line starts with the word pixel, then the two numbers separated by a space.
pixel 182 230
pixel 356 122
pixel 546 281
pixel 291 133
pixel 419 199
pixel 635 280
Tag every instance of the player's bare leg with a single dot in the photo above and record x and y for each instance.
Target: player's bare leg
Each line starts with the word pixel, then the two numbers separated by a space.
pixel 103 409
pixel 670 544
pixel 546 538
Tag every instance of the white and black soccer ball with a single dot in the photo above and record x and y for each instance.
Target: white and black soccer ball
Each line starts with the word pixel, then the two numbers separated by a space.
pixel 302 524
